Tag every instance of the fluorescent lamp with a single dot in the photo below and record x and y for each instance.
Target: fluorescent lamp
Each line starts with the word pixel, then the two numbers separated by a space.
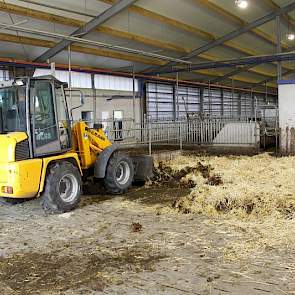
pixel 291 36
pixel 243 4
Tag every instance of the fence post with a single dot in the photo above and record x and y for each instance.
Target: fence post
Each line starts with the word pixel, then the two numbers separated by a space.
pixel 180 136
pixel 150 138
pixel 168 132
pixel 257 135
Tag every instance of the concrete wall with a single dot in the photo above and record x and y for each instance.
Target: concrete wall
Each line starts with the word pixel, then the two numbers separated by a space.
pixel 287 116
pixel 113 93
pixel 107 102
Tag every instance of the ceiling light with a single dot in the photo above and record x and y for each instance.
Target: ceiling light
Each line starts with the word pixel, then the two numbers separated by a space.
pixel 291 36
pixel 243 4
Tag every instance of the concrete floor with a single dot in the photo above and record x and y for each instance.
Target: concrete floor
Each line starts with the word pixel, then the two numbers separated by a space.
pixel 94 250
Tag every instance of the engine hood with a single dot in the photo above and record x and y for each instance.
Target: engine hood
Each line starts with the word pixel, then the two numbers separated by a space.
pixel 7 145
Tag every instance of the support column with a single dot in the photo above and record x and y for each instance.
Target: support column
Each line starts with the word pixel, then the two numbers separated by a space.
pixel 94 98
pixel 70 74
pixel 279 47
pixel 174 102
pixel 176 98
pixel 142 96
pixel 202 99
pixel 133 94
pixel 221 102
pixel 240 104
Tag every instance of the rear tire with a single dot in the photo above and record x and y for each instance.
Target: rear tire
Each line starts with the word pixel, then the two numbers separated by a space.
pixel 62 188
pixel 119 174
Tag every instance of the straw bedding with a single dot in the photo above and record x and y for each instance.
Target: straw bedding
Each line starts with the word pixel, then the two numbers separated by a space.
pixel 252 198
pixel 246 187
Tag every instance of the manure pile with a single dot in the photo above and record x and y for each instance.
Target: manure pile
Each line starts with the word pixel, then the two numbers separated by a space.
pixel 166 176
pixel 245 187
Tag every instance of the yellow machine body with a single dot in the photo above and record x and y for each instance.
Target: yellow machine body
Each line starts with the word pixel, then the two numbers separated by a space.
pixel 48 156
pixel 27 177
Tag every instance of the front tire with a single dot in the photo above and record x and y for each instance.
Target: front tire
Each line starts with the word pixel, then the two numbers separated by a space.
pixel 62 188
pixel 119 174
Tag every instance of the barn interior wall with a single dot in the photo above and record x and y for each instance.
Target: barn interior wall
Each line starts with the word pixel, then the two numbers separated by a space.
pixel 107 102
pixel 105 94
pixel 166 101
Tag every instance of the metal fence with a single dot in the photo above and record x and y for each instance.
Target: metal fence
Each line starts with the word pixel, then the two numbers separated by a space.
pixel 195 131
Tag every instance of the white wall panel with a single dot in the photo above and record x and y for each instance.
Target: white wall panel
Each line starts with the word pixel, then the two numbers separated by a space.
pixel 108 82
pixel 79 80
pixel 286 114
pixel 4 75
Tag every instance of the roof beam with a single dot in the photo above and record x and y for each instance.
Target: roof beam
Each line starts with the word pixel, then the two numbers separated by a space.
pixel 233 18
pixel 105 53
pixel 237 78
pixel 165 20
pixel 86 28
pixel 249 26
pixel 258 22
pixel 250 60
pixel 182 26
pixel 268 80
pixel 81 49
pixel 90 42
pixel 286 17
pixel 54 18
pixel 23 63
pixel 233 73
pixel 36 14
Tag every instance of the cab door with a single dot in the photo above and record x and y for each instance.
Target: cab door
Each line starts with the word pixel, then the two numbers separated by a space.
pixel 46 130
pixel 64 125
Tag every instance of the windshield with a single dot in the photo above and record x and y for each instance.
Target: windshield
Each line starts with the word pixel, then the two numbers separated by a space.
pixel 13 109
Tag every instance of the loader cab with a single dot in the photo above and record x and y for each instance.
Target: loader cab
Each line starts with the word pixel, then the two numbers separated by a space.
pixel 38 107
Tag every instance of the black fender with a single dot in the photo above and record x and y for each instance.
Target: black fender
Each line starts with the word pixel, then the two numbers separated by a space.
pixel 143 166
pixel 102 161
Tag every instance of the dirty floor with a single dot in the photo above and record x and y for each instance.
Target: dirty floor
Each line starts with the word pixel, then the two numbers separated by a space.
pixel 125 245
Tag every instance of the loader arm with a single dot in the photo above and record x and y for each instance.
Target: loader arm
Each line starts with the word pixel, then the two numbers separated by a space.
pixel 94 150
pixel 88 143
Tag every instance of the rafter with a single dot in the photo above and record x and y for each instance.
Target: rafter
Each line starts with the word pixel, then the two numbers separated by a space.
pixel 163 19
pixel 105 53
pixel 286 17
pixel 232 45
pixel 269 80
pixel 221 40
pixel 44 16
pixel 81 49
pixel 33 13
pixel 244 29
pixel 233 18
pixel 109 31
pixel 184 27
pixel 239 78
pixel 87 28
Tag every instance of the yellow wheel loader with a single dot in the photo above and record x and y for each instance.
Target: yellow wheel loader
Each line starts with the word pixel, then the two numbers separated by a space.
pixel 43 153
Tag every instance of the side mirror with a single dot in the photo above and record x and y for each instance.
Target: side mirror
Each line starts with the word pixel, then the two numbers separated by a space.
pixel 82 96
pixel 82 100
